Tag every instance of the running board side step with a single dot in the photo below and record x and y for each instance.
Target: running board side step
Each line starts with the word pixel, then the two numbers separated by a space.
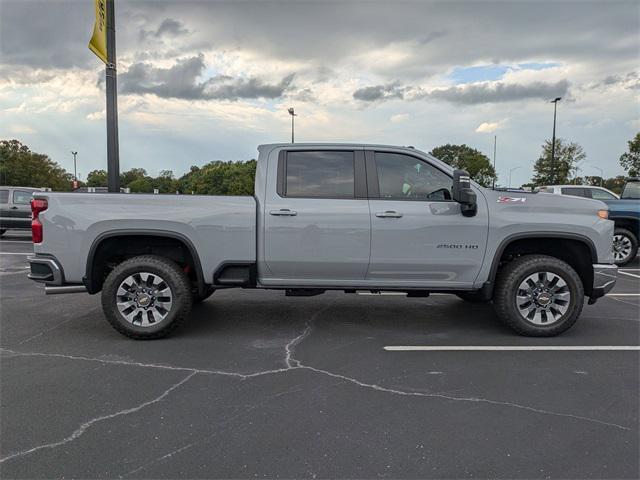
pixel 64 289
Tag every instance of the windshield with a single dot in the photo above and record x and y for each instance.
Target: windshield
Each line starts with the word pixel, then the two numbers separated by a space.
pixel 631 190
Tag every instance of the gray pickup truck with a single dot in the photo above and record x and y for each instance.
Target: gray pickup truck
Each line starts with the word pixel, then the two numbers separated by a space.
pixel 329 217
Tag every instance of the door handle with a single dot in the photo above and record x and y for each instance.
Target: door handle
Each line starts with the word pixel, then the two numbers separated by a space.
pixel 13 207
pixel 389 214
pixel 283 212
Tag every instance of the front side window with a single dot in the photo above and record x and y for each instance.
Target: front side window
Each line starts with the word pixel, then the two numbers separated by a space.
pixel 576 192
pixel 320 174
pixel 4 196
pixel 601 194
pixel 403 177
pixel 21 197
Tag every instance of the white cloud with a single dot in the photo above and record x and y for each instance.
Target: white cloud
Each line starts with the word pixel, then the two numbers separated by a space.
pixel 399 118
pixel 21 129
pixel 490 127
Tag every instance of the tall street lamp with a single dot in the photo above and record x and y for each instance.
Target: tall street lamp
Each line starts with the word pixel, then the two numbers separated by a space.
pixel 553 140
pixel 293 114
pixel 510 172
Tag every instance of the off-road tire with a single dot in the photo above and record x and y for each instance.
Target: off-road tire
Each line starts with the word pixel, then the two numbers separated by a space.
pixel 197 298
pixel 508 282
pixel 172 275
pixel 472 297
pixel 634 246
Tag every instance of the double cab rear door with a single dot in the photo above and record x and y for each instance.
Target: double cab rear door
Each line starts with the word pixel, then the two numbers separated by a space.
pixel 357 217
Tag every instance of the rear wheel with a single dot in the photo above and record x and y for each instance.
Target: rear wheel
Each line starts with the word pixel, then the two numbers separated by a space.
pixel 146 297
pixel 538 295
pixel 625 246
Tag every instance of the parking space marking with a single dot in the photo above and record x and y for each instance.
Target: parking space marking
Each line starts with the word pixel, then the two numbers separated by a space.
pixel 29 253
pixel 511 348
pixel 622 295
pixel 629 274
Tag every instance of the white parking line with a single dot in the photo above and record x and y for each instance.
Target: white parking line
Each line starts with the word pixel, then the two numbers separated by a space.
pixel 623 295
pixel 630 274
pixel 491 348
pixel 15 253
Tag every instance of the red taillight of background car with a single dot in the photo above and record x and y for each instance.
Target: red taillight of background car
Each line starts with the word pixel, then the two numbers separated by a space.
pixel 37 205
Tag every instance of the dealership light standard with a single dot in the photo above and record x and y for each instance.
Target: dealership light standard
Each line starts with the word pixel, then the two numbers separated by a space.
pixel 510 172
pixel 293 114
pixel 75 171
pixel 601 173
pixel 553 140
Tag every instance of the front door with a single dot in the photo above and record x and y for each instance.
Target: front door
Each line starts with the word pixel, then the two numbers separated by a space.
pixel 316 225
pixel 419 237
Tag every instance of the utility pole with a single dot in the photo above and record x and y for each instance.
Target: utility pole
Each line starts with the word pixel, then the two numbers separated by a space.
pixel 113 156
pixel 495 174
pixel 75 170
pixel 293 114
pixel 553 140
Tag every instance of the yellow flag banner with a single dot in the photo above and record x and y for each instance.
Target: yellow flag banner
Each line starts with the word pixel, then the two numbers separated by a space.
pixel 98 43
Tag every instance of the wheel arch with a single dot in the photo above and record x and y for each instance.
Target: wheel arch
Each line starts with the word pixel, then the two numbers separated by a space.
pixel 544 243
pixel 93 276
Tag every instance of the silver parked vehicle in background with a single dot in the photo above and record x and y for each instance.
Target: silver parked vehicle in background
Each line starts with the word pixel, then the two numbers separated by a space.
pixel 586 191
pixel 15 210
pixel 329 217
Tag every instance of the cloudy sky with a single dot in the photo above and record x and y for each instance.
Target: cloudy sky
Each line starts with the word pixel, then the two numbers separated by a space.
pixel 208 80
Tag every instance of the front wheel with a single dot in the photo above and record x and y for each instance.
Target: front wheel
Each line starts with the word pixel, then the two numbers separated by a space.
pixel 538 295
pixel 146 297
pixel 625 246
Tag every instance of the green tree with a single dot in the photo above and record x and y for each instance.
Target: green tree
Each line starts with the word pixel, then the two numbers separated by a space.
pixel 97 178
pixel 20 166
pixel 130 175
pixel 165 182
pixel 462 156
pixel 567 157
pixel 630 160
pixel 220 178
pixel 141 185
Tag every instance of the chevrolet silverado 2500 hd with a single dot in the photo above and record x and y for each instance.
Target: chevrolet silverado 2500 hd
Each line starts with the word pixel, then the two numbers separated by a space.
pixel 329 217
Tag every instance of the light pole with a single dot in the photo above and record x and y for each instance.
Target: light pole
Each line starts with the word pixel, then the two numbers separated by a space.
pixel 601 173
pixel 293 114
pixel 75 171
pixel 553 140
pixel 510 172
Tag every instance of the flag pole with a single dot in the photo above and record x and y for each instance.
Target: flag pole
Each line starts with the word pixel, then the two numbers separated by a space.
pixel 113 156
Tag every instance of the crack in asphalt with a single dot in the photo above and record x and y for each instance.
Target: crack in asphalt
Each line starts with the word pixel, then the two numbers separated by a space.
pixel 290 362
pixel 83 428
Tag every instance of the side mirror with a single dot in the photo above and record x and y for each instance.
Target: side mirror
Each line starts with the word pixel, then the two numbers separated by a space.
pixel 463 193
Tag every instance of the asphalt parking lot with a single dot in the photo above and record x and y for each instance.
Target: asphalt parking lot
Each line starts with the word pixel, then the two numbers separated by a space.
pixel 257 384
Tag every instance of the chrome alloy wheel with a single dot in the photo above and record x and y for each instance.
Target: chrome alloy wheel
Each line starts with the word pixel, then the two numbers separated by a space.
pixel 144 299
pixel 543 298
pixel 621 247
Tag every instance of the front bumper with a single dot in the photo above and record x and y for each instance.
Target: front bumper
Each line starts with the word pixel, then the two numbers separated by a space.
pixel 604 279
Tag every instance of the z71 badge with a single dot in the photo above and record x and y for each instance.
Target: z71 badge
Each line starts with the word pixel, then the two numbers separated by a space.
pixel 512 199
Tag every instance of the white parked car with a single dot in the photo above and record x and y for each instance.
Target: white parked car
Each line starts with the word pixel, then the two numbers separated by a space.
pixel 587 191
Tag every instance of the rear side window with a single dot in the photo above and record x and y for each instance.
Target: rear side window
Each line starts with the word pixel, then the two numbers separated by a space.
pixel 576 192
pixel 601 194
pixel 21 197
pixel 4 196
pixel 631 190
pixel 320 174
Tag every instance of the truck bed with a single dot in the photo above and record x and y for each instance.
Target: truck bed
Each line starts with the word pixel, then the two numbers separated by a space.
pixel 219 228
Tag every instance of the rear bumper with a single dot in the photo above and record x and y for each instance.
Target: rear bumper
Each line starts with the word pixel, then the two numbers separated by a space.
pixel 604 279
pixel 45 270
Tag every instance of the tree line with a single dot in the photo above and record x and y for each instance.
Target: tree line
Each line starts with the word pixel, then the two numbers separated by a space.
pixel 21 167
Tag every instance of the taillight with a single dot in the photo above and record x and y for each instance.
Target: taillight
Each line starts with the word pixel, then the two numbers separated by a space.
pixel 37 205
